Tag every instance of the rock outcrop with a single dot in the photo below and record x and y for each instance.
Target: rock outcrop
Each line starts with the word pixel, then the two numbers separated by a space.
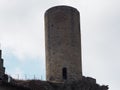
pixel 86 83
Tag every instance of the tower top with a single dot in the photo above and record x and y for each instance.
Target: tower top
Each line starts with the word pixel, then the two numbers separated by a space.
pixel 64 7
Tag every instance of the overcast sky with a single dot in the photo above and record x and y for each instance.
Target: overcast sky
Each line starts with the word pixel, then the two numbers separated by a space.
pixel 22 38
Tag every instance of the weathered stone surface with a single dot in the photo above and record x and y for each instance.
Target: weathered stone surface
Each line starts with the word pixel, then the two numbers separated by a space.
pixel 63 44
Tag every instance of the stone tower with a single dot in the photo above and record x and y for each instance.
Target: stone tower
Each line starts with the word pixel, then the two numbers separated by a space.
pixel 2 68
pixel 63 44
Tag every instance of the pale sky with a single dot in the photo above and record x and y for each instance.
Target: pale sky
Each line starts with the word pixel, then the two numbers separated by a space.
pixel 22 38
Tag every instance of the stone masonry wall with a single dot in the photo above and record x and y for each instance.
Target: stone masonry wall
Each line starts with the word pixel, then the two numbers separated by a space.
pixel 63 44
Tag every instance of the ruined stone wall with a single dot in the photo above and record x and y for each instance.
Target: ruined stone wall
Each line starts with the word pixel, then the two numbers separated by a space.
pixel 86 83
pixel 63 44
pixel 2 68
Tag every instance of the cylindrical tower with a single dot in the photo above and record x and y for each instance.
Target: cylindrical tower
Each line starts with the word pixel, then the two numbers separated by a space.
pixel 63 44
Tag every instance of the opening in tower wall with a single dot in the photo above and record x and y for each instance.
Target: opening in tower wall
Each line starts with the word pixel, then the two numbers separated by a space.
pixel 64 72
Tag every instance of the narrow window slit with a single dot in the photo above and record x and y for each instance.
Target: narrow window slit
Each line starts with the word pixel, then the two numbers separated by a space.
pixel 64 73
